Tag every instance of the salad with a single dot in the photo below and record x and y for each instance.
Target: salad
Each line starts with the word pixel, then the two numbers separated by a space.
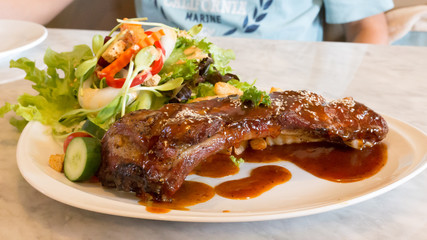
pixel 84 91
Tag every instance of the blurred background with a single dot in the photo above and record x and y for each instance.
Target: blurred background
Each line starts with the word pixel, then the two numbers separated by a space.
pixel 407 21
pixel 79 12
pixel 93 14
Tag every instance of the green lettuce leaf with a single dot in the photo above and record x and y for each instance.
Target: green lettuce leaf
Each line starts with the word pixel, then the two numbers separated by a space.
pixel 222 58
pixel 240 85
pixel 57 87
pixel 178 65
pixel 204 89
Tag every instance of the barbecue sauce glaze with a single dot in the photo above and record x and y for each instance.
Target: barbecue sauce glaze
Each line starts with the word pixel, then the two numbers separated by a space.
pixel 324 160
pixel 189 194
pixel 259 181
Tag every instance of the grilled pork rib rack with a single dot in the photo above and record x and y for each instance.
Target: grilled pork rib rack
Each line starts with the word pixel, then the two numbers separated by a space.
pixel 152 151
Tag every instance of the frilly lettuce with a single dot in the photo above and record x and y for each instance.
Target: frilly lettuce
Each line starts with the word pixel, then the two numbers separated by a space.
pixel 179 65
pixel 56 86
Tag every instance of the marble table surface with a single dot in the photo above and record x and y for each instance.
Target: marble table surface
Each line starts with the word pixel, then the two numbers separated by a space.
pixel 390 79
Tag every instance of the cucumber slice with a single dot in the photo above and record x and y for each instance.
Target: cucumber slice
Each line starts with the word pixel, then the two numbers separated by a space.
pixel 82 158
pixel 93 129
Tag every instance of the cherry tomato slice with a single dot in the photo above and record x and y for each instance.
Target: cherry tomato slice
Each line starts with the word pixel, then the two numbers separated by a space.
pixel 157 66
pixel 115 82
pixel 139 79
pixel 72 136
pixel 158 45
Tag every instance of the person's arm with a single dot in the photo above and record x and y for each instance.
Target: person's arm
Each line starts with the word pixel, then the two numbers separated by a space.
pixel 39 11
pixel 372 29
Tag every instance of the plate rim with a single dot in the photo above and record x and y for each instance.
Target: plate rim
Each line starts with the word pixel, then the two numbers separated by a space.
pixel 181 216
pixel 35 42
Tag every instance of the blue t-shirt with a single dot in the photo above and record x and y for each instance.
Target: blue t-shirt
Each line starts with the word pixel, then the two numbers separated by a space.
pixel 272 19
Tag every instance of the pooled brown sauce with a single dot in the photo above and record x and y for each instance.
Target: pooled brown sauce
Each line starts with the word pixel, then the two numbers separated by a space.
pixel 325 160
pixel 216 166
pixel 260 180
pixel 189 194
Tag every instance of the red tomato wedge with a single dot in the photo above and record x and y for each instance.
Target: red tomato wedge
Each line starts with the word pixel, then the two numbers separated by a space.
pixel 74 135
pixel 157 65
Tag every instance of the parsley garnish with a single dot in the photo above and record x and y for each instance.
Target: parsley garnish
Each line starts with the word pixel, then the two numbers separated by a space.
pixel 256 96
pixel 236 161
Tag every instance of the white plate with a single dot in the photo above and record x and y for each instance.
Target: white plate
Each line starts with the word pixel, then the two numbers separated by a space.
pixel 17 36
pixel 304 194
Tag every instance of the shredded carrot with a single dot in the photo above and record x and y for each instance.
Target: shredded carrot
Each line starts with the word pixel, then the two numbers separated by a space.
pixel 151 39
pixel 137 31
pixel 119 63
pixel 124 58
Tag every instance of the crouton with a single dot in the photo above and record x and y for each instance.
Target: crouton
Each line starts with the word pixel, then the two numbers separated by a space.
pixel 152 81
pixel 258 144
pixel 222 88
pixel 274 89
pixel 114 50
pixel 57 162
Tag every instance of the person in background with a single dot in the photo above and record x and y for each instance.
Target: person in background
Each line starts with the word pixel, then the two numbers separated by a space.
pixel 304 20
pixel 39 11
pixel 364 20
